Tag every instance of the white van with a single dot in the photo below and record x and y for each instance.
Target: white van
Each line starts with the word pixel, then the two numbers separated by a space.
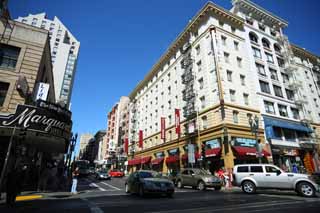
pixel 254 176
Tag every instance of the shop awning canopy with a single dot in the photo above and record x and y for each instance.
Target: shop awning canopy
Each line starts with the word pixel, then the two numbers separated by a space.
pixel 134 161
pixel 145 159
pixel 213 152
pixel 271 122
pixel 172 159
pixel 249 151
pixel 157 161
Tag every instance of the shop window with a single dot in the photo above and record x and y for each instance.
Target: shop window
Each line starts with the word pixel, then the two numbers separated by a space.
pixel 277 132
pixel 289 134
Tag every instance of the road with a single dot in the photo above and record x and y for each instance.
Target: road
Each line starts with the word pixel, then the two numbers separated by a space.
pixel 109 196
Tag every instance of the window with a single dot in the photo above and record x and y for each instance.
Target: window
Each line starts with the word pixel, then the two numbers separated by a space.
pixel 290 94
pixel 246 98
pixel 224 40
pixel 203 102
pixel 295 113
pixel 235 117
pixel 280 62
pixel 257 169
pixel 201 83
pixel 198 49
pixel 285 78
pixel 204 122
pixel 265 43
pixel 269 107
pixel 239 62
pixel 253 37
pixel 256 52
pixel 236 45
pixel 226 57
pixel 199 65
pixel 169 103
pixel 269 58
pixel 264 86
pixel 262 27
pixel 243 80
pixel 24 21
pixel 277 91
pixel 260 69
pixel 169 90
pixel 273 74
pixel 170 119
pixel 283 110
pixel 221 23
pixel 8 56
pixel 3 92
pixel 271 169
pixel 229 75
pixel 232 95
pixel 242 169
pixel 233 30
pixel 277 48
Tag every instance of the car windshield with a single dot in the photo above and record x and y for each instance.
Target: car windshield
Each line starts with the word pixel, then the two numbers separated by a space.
pixel 149 174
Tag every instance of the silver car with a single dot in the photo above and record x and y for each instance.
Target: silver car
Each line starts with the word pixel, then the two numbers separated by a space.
pixel 254 176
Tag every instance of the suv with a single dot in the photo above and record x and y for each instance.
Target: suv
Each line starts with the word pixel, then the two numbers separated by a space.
pixel 253 176
pixel 198 178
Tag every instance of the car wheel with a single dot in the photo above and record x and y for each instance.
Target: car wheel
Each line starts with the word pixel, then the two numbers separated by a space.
pixel 248 187
pixel 306 189
pixel 179 184
pixel 127 188
pixel 201 185
pixel 217 188
pixel 141 191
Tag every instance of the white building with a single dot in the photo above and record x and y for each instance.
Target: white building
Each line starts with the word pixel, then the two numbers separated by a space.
pixel 64 52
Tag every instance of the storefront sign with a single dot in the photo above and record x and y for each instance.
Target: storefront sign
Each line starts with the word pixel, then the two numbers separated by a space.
pixel 163 128
pixel 45 118
pixel 42 91
pixel 246 142
pixel 173 151
pixel 177 121
pixel 126 145
pixel 191 127
pixel 212 144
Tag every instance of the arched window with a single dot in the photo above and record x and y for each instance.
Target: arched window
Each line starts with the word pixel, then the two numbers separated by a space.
pixel 253 37
pixel 277 48
pixel 265 43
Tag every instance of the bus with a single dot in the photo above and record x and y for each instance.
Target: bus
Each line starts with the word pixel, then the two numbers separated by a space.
pixel 83 167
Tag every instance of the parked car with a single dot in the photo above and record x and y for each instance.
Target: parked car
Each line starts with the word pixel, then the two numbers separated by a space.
pixel 255 176
pixel 102 175
pixel 116 173
pixel 149 182
pixel 198 178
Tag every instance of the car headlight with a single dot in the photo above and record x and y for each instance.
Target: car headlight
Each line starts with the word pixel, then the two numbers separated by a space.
pixel 206 179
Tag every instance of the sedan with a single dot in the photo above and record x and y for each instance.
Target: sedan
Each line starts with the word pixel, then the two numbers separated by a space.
pixel 149 182
pixel 116 173
pixel 103 176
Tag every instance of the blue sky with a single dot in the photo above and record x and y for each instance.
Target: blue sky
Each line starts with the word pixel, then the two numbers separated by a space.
pixel 121 40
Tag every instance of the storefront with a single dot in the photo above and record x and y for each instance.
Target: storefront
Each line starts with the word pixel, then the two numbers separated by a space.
pixel 173 161
pixel 39 136
pixel 185 157
pixel 213 154
pixel 146 163
pixel 157 163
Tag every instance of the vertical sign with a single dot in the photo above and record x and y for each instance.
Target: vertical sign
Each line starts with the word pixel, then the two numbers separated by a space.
pixel 126 145
pixel 191 157
pixel 42 91
pixel 140 138
pixel 163 128
pixel 177 121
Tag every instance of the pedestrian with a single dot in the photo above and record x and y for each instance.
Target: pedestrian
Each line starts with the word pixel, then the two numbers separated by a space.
pixel 294 168
pixel 75 175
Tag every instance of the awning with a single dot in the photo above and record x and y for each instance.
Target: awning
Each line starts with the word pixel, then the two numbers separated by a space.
pixel 145 159
pixel 172 159
pixel 271 122
pixel 134 161
pixel 157 161
pixel 184 157
pixel 249 151
pixel 213 152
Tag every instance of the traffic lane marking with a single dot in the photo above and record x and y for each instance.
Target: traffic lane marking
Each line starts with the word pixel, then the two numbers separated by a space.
pixel 28 197
pixel 109 185
pixel 95 185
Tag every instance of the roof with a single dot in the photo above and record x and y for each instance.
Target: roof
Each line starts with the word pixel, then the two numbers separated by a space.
pixel 303 52
pixel 179 41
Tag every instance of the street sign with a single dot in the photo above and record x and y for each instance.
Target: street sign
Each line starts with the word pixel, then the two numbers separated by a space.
pixel 191 157
pixel 42 91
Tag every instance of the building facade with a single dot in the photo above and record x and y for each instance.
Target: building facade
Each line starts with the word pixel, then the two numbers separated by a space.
pixel 212 87
pixel 84 141
pixel 64 53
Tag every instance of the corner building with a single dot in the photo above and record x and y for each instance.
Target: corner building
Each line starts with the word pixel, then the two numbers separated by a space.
pixel 223 69
pixel 206 76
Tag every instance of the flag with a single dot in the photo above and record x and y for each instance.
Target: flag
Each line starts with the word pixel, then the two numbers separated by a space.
pixel 177 121
pixel 126 145
pixel 140 138
pixel 163 128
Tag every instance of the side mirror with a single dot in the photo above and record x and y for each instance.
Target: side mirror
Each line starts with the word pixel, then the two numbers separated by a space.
pixel 278 172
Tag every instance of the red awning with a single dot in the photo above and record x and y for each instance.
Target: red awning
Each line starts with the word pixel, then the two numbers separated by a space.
pixel 145 159
pixel 249 151
pixel 172 159
pixel 134 161
pixel 213 152
pixel 157 161
pixel 184 157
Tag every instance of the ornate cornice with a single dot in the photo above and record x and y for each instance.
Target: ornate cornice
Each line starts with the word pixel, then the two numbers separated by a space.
pixel 299 51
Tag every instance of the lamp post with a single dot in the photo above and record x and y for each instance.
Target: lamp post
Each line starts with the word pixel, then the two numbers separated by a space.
pixel 254 126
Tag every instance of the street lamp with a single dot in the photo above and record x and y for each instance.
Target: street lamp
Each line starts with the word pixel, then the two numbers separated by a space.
pixel 254 126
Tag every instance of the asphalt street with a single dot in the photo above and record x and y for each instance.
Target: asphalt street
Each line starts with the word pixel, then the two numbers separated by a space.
pixel 109 196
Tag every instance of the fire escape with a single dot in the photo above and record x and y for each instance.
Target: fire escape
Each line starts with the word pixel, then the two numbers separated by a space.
pixel 188 94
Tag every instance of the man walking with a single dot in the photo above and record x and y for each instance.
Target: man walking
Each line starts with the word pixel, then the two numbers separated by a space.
pixel 75 175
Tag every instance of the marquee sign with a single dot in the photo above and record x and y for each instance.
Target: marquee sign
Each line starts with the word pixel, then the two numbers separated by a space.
pixel 46 118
